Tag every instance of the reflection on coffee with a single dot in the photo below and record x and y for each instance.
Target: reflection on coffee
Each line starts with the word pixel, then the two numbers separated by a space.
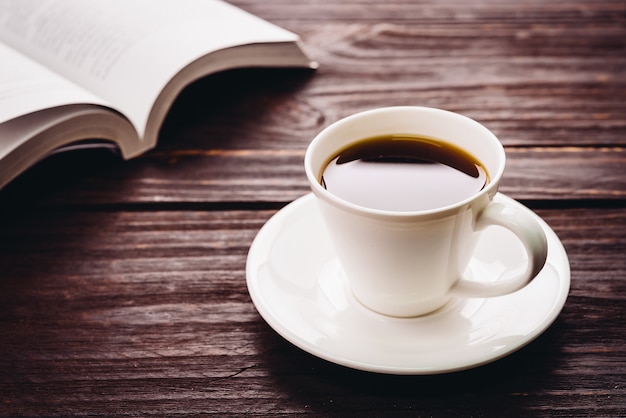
pixel 404 173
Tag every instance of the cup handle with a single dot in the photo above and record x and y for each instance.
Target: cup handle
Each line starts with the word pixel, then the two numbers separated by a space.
pixel 533 238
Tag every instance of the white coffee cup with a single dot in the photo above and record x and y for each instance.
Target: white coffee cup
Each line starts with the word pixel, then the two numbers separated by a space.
pixel 408 264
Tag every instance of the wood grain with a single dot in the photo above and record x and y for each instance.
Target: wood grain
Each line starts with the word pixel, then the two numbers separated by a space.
pixel 217 177
pixel 152 312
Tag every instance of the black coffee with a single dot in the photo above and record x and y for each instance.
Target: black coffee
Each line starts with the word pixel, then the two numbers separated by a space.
pixel 403 173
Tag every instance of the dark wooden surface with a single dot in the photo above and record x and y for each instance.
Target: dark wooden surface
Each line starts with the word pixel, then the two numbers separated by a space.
pixel 122 285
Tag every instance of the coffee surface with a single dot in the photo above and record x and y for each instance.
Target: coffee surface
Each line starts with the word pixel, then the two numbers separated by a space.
pixel 404 173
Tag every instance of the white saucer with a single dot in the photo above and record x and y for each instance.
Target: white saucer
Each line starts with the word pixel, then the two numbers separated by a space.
pixel 297 287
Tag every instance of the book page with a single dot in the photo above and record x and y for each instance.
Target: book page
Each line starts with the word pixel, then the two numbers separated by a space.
pixel 27 87
pixel 126 51
pixel 27 139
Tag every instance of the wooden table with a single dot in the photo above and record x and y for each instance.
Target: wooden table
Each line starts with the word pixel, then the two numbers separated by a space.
pixel 122 288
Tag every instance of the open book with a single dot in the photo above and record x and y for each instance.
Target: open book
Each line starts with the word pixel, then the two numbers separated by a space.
pixel 91 71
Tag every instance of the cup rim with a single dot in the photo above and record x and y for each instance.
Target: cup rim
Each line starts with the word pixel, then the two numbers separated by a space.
pixel 488 192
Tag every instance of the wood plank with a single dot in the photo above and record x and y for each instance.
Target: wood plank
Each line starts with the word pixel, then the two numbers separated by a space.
pixel 526 101
pixel 105 311
pixel 555 68
pixel 239 176
pixel 428 11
